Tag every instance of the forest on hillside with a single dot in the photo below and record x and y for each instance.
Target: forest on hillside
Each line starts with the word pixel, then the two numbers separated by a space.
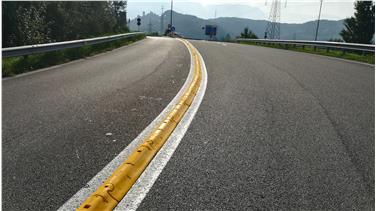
pixel 34 22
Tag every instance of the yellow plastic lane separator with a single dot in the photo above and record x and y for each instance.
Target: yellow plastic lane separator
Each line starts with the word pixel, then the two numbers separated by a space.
pixel 110 193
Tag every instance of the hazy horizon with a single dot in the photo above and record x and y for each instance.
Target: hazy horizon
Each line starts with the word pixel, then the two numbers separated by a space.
pixel 291 12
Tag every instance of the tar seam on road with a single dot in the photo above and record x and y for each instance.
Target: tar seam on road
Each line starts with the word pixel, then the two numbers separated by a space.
pixel 140 152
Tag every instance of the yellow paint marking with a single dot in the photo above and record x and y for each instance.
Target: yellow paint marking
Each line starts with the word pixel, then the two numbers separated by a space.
pixel 110 193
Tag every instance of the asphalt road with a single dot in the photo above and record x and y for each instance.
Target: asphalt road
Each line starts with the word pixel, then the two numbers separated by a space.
pixel 55 121
pixel 277 130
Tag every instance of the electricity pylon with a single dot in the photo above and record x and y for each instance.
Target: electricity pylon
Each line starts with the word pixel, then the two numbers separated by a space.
pixel 273 27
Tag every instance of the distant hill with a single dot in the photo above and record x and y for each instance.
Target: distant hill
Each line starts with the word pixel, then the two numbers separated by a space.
pixel 191 26
pixel 198 9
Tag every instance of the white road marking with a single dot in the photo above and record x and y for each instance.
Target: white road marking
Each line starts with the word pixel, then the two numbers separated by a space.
pixel 76 200
pixel 137 193
pixel 78 157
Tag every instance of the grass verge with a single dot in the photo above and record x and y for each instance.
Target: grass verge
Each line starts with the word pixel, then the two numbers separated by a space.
pixel 350 55
pixel 16 65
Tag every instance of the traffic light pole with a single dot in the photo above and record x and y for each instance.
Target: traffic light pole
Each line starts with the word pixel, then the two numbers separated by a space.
pixel 138 22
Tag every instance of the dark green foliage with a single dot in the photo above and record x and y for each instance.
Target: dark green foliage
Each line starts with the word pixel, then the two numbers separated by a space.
pixel 154 34
pixel 361 27
pixel 118 9
pixel 247 33
pixel 35 22
pixel 227 38
pixel 335 40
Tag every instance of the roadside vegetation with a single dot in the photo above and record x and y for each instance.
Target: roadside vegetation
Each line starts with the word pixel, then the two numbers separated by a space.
pixel 247 33
pixel 37 22
pixel 361 27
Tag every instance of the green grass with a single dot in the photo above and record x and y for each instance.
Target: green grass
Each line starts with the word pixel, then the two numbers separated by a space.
pixel 350 55
pixel 16 65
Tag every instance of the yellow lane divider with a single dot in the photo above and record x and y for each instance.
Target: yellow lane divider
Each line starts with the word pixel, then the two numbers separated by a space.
pixel 110 193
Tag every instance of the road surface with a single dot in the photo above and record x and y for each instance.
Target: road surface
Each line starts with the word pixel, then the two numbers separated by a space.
pixel 55 122
pixel 276 129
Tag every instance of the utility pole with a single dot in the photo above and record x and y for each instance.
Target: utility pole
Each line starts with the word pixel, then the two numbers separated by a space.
pixel 150 25
pixel 162 22
pixel 171 14
pixel 143 18
pixel 170 25
pixel 318 21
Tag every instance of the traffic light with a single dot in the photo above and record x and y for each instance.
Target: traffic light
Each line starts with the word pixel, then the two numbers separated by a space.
pixel 138 21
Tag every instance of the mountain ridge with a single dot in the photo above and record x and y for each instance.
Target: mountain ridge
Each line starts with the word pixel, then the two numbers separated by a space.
pixel 190 26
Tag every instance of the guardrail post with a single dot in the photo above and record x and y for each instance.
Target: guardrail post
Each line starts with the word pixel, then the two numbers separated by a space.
pixel 327 49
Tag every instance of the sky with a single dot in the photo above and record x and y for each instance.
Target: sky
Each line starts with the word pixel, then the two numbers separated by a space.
pixel 292 11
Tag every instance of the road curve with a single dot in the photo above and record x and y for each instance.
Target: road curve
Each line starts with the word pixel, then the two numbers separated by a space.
pixel 55 122
pixel 276 130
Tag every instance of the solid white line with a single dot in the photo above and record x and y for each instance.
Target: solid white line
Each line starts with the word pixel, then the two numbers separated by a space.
pixel 137 193
pixel 76 200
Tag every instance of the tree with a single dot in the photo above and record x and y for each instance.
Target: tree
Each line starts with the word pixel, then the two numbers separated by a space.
pixel 32 22
pixel 119 12
pixel 227 38
pixel 9 30
pixel 361 27
pixel 31 25
pixel 247 33
pixel 335 40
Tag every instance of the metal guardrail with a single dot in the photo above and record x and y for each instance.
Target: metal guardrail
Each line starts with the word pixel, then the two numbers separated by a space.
pixel 319 44
pixel 41 48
